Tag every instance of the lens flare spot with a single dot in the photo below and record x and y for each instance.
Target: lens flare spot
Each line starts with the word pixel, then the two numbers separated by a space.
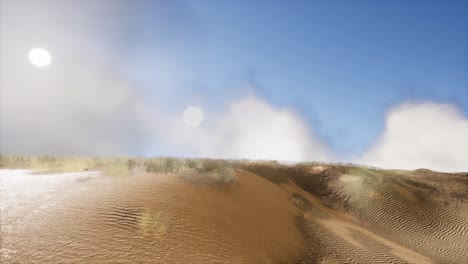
pixel 193 116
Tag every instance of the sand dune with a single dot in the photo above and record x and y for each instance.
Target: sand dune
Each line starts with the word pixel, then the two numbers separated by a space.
pixel 272 214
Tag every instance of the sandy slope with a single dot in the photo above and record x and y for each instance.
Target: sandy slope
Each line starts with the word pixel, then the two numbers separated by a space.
pixel 273 214
pixel 145 218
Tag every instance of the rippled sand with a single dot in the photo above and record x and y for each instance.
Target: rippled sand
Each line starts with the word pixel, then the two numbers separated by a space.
pixel 273 214
pixel 86 217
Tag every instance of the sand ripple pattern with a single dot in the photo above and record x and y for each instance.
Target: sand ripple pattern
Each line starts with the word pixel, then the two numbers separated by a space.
pixel 122 217
pixel 383 219
pixel 141 219
pixel 273 214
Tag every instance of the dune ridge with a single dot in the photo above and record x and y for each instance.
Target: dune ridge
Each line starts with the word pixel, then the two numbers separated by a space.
pixel 270 213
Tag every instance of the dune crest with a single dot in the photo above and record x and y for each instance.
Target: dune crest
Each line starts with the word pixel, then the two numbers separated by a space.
pixel 267 213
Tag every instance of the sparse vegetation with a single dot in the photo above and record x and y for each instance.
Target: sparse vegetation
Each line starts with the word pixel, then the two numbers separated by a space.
pixel 332 202
pixel 45 164
pixel 220 171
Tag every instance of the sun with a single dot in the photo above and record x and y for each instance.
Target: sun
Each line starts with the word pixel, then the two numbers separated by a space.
pixel 39 57
pixel 193 116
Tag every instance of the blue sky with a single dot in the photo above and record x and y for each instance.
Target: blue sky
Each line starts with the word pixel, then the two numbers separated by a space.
pixel 301 80
pixel 340 64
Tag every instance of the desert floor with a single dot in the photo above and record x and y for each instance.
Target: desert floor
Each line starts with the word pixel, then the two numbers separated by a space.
pixel 272 214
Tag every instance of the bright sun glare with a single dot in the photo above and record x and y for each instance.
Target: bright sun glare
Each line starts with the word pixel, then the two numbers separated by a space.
pixel 39 57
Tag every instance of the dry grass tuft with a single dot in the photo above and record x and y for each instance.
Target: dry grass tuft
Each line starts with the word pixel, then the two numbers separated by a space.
pixel 218 171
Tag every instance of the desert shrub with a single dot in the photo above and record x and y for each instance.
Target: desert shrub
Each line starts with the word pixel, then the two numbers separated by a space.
pixel 4 161
pixel 166 165
pixel 191 164
pixel 220 171
pixel 45 164
pixel 217 170
pixel 15 162
pixel 131 163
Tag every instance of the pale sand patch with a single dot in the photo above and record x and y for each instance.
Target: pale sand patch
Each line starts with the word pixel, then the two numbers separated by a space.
pixel 349 178
pixel 318 169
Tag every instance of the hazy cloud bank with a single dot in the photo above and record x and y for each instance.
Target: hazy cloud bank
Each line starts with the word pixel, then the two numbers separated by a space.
pixel 249 128
pixel 83 104
pixel 422 135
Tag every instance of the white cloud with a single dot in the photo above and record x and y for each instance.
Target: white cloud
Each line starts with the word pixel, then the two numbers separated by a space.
pixel 83 104
pixel 422 135
pixel 253 129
